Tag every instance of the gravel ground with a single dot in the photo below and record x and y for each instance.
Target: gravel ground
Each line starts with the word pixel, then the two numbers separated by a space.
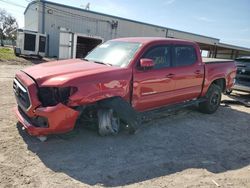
pixel 182 149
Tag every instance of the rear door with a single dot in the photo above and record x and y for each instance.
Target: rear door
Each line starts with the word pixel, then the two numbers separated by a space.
pixel 189 72
pixel 153 88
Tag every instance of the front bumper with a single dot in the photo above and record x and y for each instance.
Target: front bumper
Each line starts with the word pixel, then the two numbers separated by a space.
pixel 60 118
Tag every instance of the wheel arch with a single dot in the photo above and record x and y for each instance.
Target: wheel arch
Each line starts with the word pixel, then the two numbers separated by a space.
pixel 122 107
pixel 221 82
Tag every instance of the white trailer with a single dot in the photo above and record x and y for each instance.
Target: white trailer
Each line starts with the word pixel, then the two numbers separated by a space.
pixel 30 43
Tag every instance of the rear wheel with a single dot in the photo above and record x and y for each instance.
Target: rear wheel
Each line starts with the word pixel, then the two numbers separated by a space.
pixel 213 98
pixel 108 122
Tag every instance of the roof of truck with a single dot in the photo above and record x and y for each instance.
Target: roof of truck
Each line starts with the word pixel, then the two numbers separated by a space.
pixel 145 40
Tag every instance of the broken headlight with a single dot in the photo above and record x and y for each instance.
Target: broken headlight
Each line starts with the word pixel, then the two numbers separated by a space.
pixel 51 96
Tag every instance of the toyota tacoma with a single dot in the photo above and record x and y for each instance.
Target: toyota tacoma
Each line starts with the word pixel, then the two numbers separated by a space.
pixel 116 82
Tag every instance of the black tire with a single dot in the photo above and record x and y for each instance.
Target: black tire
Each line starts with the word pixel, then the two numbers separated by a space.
pixel 213 98
pixel 108 122
pixel 124 111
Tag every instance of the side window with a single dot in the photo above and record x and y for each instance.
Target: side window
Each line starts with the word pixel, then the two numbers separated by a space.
pixel 184 55
pixel 160 55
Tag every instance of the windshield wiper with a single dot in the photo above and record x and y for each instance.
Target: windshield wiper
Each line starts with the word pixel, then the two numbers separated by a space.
pixel 108 64
pixel 99 62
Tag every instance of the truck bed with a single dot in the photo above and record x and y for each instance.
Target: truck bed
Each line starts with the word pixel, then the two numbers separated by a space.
pixel 214 60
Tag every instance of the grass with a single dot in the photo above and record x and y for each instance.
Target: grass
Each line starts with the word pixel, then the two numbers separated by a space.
pixel 7 54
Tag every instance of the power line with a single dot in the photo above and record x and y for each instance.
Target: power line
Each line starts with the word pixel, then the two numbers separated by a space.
pixel 12 3
pixel 74 15
pixel 59 11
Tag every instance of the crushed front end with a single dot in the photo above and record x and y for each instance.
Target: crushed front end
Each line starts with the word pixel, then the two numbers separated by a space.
pixel 43 111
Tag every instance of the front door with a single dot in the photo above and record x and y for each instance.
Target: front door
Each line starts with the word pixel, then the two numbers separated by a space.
pixel 153 88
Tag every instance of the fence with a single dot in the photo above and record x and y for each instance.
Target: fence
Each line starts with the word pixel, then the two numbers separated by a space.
pixel 9 42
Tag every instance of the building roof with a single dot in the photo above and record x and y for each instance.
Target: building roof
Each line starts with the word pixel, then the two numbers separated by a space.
pixel 224 45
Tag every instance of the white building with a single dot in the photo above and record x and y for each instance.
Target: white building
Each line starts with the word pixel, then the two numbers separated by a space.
pixel 72 32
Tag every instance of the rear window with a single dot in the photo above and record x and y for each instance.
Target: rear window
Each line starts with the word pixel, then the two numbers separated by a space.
pixel 184 55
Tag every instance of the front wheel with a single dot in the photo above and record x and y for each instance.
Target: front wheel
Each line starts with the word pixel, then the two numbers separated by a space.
pixel 213 98
pixel 108 122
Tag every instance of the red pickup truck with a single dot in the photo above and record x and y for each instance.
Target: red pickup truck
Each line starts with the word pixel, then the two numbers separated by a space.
pixel 115 82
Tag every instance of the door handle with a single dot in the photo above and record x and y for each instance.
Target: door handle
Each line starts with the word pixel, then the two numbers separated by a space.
pixel 197 72
pixel 169 75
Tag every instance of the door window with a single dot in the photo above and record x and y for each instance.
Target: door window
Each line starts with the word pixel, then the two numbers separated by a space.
pixel 184 55
pixel 160 55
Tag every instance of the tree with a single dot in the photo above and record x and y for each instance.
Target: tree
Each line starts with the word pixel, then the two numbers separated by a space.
pixel 8 26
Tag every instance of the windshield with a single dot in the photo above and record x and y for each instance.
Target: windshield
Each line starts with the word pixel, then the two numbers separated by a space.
pixel 117 53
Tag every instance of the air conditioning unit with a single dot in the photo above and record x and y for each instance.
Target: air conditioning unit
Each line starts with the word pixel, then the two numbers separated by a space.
pixel 30 43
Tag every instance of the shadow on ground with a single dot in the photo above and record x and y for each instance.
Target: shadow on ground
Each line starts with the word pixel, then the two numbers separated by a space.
pixel 238 98
pixel 217 142
pixel 35 60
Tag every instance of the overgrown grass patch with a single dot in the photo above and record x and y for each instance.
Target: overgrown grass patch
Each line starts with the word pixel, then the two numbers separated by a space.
pixel 7 54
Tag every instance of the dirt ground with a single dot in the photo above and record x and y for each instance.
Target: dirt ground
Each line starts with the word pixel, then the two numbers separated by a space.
pixel 182 149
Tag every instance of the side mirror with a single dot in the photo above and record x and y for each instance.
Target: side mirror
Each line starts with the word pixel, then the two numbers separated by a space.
pixel 146 63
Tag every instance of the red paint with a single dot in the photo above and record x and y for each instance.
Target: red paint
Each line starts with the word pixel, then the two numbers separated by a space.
pixel 32 90
pixel 146 63
pixel 149 88
pixel 61 119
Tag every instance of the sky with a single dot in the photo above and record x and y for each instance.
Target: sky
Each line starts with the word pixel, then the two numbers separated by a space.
pixel 227 20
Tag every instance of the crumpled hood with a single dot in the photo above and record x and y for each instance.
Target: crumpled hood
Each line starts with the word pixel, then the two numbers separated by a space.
pixel 59 72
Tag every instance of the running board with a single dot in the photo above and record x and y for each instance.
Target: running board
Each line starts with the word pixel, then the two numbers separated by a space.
pixel 175 107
